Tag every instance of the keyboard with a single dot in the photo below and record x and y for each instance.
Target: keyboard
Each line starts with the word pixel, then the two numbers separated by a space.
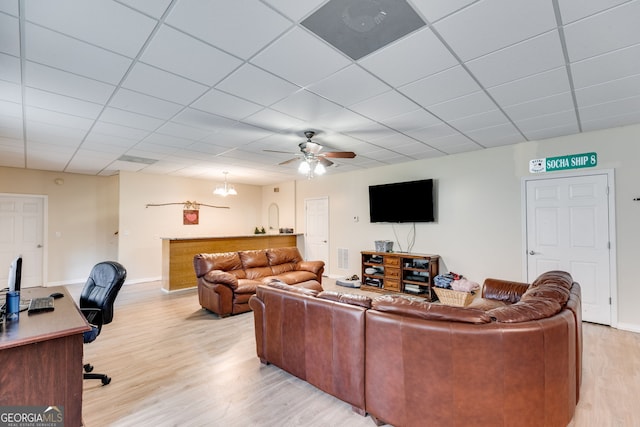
pixel 40 304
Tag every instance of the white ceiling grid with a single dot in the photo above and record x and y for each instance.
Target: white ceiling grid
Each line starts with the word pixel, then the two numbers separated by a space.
pixel 203 87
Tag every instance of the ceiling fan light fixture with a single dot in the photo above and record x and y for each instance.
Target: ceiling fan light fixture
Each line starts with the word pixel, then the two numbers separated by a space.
pixel 304 167
pixel 225 189
pixel 319 169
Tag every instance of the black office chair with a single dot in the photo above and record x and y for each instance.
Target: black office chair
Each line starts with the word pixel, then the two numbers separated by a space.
pixel 96 303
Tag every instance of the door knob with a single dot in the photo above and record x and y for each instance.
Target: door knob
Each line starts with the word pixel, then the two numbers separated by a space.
pixel 39 246
pixel 532 253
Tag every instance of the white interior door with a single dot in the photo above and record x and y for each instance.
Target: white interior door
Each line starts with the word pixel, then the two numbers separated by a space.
pixel 21 233
pixel 316 234
pixel 568 228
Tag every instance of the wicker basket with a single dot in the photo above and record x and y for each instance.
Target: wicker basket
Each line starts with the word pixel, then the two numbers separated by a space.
pixel 455 298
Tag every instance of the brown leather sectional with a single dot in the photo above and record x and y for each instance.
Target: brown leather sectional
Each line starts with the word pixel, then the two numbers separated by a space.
pixel 227 280
pixel 512 359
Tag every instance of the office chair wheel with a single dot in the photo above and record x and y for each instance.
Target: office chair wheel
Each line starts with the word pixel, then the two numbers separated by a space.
pixel 88 367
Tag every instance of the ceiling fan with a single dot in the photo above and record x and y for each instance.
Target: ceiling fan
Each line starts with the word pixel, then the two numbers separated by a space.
pixel 313 161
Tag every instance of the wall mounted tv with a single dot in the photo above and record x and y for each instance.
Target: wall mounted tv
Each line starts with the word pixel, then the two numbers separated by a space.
pixel 410 201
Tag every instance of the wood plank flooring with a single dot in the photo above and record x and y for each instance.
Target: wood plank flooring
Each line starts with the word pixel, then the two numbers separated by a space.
pixel 174 364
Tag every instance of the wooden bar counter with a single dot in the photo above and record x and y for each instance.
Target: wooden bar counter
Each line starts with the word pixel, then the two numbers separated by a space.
pixel 178 253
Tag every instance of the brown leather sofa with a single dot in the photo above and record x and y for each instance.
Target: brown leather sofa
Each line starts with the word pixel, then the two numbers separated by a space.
pixel 227 280
pixel 515 358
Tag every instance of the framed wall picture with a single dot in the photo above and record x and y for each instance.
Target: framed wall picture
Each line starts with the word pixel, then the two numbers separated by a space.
pixel 190 217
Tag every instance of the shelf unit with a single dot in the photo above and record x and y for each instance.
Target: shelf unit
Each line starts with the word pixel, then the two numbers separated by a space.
pixel 401 272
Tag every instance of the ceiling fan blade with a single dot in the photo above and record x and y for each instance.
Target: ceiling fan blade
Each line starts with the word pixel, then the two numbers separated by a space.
pixel 286 162
pixel 326 162
pixel 339 154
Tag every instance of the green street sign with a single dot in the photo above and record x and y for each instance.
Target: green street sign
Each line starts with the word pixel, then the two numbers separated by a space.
pixel 570 161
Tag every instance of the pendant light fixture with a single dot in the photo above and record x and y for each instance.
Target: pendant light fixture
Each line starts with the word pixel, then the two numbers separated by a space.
pixel 225 189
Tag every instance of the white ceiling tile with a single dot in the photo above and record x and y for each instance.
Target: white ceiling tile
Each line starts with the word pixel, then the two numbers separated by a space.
pixel 349 85
pixel 305 105
pixel 240 27
pixel 300 58
pixel 541 106
pixel 11 109
pixel 10 92
pixel 430 132
pixel 9 35
pixel 385 106
pixel 532 56
pixel 118 130
pixel 610 66
pixel 274 120
pixel 482 28
pixel 612 109
pixel 479 121
pixel 127 118
pixel 540 85
pixel 107 143
pixel 410 121
pixel 255 85
pixel 65 53
pixel 10 68
pixel 495 136
pixel 96 25
pixel 437 9
pixel 34 114
pixel 52 80
pixel 609 91
pixel 11 7
pixel 295 9
pixel 613 29
pixel 203 120
pixel 226 105
pixel 572 10
pixel 182 131
pixel 455 143
pixel 552 132
pixel 62 104
pixel 53 134
pixel 161 84
pixel 448 84
pixel 10 128
pixel 154 8
pixel 181 54
pixel 626 119
pixel 140 103
pixel 532 125
pixel 464 106
pixel 416 56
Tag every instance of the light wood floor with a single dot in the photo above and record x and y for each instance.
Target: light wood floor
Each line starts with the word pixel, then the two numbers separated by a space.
pixel 175 364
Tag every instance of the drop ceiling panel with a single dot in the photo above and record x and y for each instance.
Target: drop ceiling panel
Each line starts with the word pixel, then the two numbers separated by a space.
pixel 609 91
pixel 256 85
pixel 186 56
pixel 271 119
pixel 295 9
pixel 532 56
pixel 11 92
pixel 605 112
pixel 495 136
pixel 547 121
pixel 306 106
pixel 161 84
pixel 479 121
pixel 388 104
pixel 410 121
pixel 63 83
pixel 127 118
pixel 136 102
pixel 154 8
pixel 182 131
pixel 541 106
pixel 97 24
pixel 9 35
pixel 68 54
pixel 429 133
pixel 533 87
pixel 204 121
pixel 62 104
pixel 300 58
pixel 434 10
pixel 465 106
pixel 41 115
pixel 611 66
pixel 572 10
pixel 127 132
pixel 240 27
pixel 446 85
pixel 612 29
pixel 223 104
pixel 482 28
pixel 10 68
pixel 414 57
pixel 349 86
pixel 10 7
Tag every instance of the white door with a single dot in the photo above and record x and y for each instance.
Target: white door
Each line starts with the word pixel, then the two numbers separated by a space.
pixel 316 234
pixel 568 228
pixel 21 233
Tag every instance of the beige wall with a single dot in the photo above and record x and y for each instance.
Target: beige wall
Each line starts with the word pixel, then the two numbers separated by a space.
pixel 82 219
pixel 479 210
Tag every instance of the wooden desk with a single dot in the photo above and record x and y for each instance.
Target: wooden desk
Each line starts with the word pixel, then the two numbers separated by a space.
pixel 41 357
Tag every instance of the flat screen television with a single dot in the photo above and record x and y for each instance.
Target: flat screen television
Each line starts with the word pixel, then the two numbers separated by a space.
pixel 410 201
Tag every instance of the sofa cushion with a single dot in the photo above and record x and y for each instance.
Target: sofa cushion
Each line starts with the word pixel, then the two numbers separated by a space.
pixel 353 299
pixel 247 286
pixel 401 304
pixel 292 277
pixel 278 256
pixel 225 261
pixel 295 289
pixel 254 259
pixel 553 291
pixel 562 278
pixel 533 309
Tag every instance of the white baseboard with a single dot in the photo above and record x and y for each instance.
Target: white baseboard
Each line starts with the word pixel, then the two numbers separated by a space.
pixel 631 327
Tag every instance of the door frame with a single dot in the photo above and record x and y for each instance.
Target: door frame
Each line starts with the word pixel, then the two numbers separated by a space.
pixel 306 200
pixel 45 229
pixel 611 201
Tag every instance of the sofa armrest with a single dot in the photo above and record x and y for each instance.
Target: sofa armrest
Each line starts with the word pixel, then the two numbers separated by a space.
pixel 219 277
pixel 503 290
pixel 315 267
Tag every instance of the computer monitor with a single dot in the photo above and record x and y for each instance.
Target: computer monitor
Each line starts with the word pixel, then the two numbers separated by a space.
pixel 15 274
